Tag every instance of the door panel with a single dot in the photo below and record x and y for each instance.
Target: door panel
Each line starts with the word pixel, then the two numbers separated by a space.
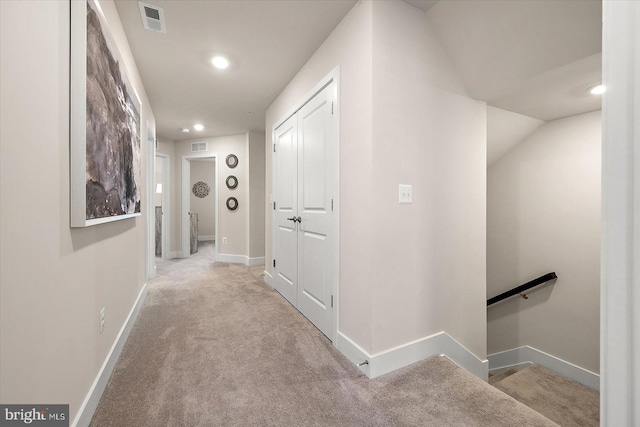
pixel 304 172
pixel 286 195
pixel 313 157
pixel 315 278
pixel 317 135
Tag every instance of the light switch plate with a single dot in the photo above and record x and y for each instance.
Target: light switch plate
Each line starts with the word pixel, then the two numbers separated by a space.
pixel 405 193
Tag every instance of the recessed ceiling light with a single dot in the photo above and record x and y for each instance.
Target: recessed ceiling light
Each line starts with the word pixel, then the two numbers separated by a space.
pixel 184 130
pixel 220 62
pixel 198 127
pixel 597 89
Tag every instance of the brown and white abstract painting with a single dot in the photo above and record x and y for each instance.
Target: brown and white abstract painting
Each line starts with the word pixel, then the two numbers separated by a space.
pixel 111 135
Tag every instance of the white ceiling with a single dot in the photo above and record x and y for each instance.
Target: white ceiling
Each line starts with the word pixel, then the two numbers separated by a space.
pixel 532 57
pixel 423 4
pixel 267 42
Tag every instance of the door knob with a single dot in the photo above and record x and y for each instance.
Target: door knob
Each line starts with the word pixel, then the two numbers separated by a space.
pixel 299 219
pixel 294 219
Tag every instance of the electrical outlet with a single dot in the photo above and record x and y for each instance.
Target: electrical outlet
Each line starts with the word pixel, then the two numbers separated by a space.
pixel 224 240
pixel 405 193
pixel 102 319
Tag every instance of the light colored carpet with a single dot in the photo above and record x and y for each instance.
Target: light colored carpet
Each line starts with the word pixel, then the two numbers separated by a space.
pixel 502 375
pixel 560 399
pixel 214 346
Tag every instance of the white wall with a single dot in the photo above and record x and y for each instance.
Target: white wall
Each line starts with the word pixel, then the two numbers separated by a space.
pixel 233 225
pixel 349 47
pixel 543 215
pixel 168 147
pixel 258 204
pixel 54 279
pixel 406 271
pixel 505 130
pixel 429 258
pixel 205 207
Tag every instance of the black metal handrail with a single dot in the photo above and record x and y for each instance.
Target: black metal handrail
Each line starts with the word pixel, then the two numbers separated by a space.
pixel 520 289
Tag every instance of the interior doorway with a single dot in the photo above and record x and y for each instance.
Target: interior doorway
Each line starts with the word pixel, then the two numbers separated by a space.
pixel 162 210
pixel 306 190
pixel 199 203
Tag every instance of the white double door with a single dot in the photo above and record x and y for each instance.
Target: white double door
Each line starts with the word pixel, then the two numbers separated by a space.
pixel 305 184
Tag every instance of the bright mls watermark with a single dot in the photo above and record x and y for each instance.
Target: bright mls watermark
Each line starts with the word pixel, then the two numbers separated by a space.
pixel 34 415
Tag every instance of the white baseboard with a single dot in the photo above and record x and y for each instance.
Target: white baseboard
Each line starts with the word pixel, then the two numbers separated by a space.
pixel 240 259
pixel 255 261
pixel 412 352
pixel 527 354
pixel 234 259
pixel 353 352
pixel 207 238
pixel 268 278
pixel 91 401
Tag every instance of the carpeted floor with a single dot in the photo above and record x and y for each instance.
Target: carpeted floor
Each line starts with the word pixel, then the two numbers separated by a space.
pixel 214 346
pixel 560 399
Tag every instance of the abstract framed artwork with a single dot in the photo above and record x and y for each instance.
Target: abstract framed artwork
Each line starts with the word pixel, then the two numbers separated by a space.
pixel 106 155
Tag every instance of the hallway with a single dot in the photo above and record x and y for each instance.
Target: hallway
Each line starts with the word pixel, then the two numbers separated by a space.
pixel 214 345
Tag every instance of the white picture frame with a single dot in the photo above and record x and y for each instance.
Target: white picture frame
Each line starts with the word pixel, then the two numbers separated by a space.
pixel 105 124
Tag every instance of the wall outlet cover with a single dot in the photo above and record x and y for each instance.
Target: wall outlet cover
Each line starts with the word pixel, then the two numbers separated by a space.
pixel 405 193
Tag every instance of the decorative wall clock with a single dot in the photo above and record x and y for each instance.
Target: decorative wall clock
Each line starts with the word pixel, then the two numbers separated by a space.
pixel 200 189
pixel 232 203
pixel 232 182
pixel 232 161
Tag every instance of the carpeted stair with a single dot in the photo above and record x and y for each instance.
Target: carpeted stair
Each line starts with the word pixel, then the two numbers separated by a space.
pixel 558 398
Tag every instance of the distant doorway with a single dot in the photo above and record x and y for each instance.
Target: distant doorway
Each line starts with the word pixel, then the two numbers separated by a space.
pixel 199 204
pixel 162 211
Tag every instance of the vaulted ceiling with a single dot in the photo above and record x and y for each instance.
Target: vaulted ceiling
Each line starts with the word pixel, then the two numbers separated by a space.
pixel 532 57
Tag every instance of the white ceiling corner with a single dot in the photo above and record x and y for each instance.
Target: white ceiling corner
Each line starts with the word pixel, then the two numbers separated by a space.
pixel 505 130
pixel 533 57
pixel 423 4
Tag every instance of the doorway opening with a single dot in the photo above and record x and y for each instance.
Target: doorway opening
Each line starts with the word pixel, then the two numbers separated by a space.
pixel 199 204
pixel 162 209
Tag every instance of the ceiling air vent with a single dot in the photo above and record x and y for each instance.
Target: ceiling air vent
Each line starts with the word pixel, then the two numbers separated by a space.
pixel 152 17
pixel 198 146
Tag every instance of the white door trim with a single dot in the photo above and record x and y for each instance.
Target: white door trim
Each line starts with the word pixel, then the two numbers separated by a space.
pixel 149 196
pixel 166 204
pixel 620 266
pixel 186 191
pixel 333 76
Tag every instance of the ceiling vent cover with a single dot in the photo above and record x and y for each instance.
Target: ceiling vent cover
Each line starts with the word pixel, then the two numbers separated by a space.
pixel 198 146
pixel 152 17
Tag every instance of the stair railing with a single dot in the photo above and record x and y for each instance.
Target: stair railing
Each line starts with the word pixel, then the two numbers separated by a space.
pixel 519 290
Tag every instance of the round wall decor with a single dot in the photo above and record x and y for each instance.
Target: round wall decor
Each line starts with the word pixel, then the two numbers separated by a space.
pixel 200 189
pixel 232 203
pixel 232 161
pixel 232 182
